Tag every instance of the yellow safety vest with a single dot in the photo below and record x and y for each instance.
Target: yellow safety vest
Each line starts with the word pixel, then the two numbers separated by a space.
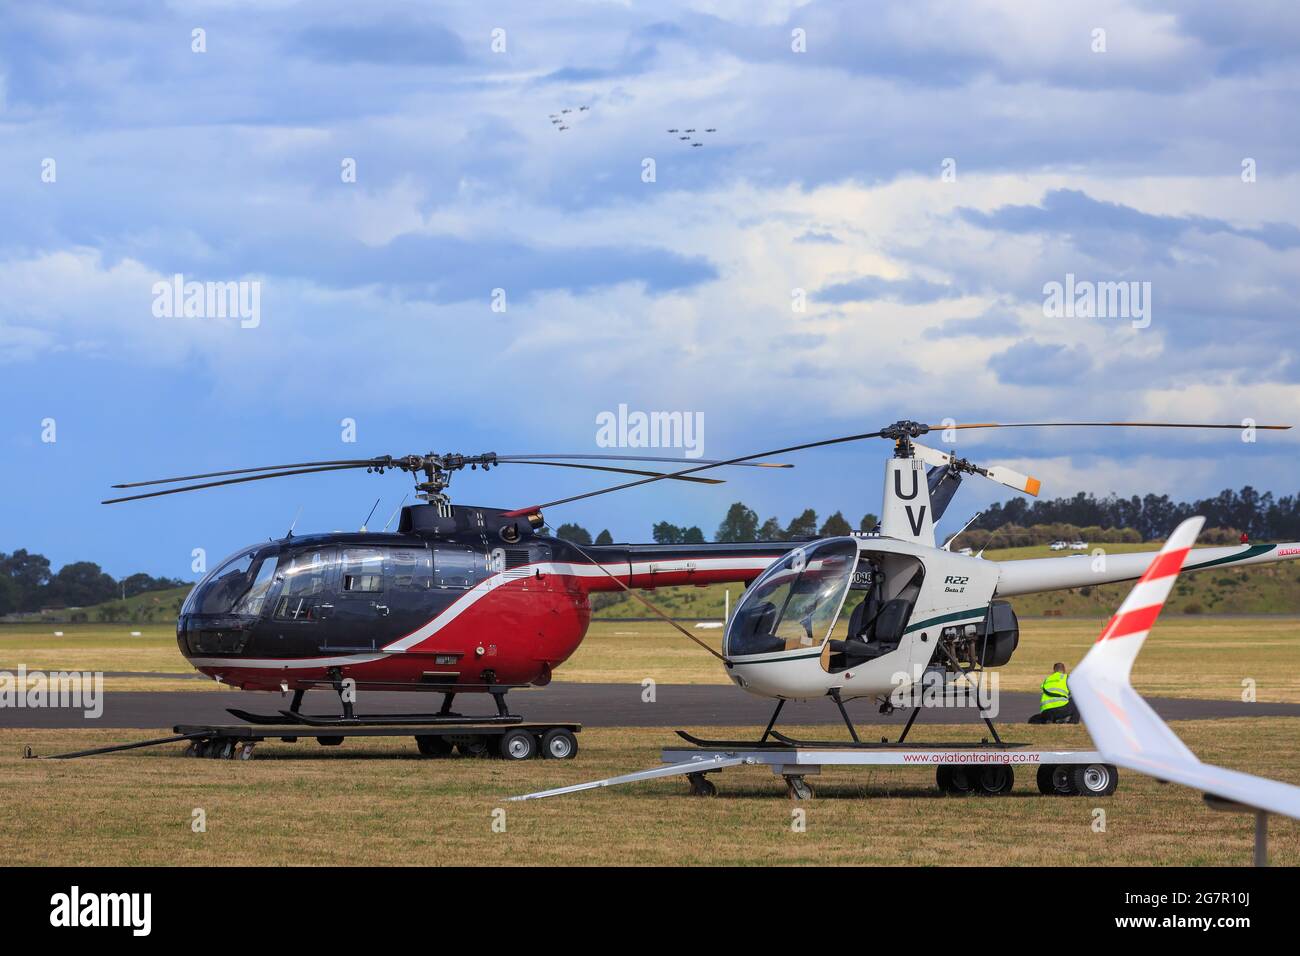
pixel 1056 693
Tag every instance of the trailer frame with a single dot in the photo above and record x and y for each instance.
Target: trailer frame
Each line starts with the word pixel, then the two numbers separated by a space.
pixel 472 737
pixel 795 763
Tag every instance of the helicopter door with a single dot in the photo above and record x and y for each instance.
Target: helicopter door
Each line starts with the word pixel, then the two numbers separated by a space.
pixel 302 598
pixel 875 615
pixel 361 608
pixel 408 583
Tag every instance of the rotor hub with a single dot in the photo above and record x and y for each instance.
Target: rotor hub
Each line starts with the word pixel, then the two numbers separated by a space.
pixel 902 432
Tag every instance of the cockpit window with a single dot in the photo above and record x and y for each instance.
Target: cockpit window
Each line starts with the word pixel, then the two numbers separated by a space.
pixel 794 603
pixel 225 589
pixel 410 569
pixel 255 597
pixel 305 576
pixel 456 567
pixel 363 570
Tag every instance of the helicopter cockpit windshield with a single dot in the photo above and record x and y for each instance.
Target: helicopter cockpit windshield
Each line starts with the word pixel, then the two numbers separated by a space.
pixel 794 603
pixel 238 585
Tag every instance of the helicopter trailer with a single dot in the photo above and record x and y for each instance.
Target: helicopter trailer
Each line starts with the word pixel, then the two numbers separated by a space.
pixel 960 769
pixel 511 738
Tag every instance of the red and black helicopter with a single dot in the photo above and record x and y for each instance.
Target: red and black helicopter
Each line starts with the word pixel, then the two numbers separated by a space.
pixel 459 599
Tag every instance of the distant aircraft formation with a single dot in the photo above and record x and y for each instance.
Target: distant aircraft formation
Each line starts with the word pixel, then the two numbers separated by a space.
pixel 685 135
pixel 561 121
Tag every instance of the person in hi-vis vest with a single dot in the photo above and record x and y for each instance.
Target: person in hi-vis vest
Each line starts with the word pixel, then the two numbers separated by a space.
pixel 1055 706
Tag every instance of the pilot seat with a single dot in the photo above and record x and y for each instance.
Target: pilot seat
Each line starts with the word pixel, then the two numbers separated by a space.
pixel 875 628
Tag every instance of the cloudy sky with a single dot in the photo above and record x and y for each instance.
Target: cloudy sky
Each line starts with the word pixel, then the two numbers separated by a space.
pixel 911 174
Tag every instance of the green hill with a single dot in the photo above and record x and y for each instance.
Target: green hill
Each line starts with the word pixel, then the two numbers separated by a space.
pixel 1264 589
pixel 151 607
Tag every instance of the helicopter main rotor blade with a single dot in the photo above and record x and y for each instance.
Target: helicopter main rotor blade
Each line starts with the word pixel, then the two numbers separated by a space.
pixel 1109 425
pixel 346 462
pixel 898 431
pixel 384 460
pixel 234 481
pixel 519 512
pixel 621 471
pixel 693 461
pixel 311 469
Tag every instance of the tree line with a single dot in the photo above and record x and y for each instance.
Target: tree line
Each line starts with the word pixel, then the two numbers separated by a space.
pixel 1154 516
pixel 740 524
pixel 28 583
pixel 1022 522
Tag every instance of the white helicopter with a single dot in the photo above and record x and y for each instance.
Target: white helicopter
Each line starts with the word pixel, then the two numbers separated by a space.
pixel 870 615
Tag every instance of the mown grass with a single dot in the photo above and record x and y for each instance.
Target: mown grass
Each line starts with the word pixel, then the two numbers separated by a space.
pixel 377 802
pixel 103 648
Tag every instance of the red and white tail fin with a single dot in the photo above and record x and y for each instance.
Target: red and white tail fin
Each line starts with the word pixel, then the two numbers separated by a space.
pixel 1126 731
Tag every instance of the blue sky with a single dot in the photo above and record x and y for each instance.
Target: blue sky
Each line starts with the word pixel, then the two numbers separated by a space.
pixel 924 296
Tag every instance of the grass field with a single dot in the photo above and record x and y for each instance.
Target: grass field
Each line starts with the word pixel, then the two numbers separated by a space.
pixel 1187 656
pixel 379 803
pixel 101 647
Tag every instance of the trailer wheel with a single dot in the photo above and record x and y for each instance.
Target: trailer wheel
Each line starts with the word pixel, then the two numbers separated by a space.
pixel 995 781
pixel 433 746
pixel 799 788
pixel 1055 780
pixel 473 747
pixel 559 744
pixel 329 741
pixel 517 745
pixel 1095 779
pixel 957 781
pixel 701 786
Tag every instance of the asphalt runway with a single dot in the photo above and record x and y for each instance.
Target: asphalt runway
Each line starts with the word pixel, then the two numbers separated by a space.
pixel 595 705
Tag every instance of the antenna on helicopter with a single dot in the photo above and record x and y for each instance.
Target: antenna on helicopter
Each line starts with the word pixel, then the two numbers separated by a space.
pixel 371 515
pixel 293 524
pixel 988 541
pixel 396 512
pixel 947 545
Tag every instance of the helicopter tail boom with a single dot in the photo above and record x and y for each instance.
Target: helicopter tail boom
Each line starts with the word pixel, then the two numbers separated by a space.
pixel 1052 574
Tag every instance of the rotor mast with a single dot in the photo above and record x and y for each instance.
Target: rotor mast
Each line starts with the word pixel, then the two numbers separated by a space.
pixel 437 471
pixel 902 433
pixel 906 511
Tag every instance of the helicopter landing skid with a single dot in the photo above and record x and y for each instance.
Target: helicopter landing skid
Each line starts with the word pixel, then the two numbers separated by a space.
pixel 250 718
pixel 782 742
pixel 383 720
pixel 887 744
pixel 446 716
pixel 730 744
